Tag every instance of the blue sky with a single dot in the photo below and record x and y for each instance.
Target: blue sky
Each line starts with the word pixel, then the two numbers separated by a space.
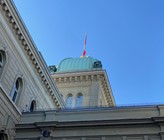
pixel 126 35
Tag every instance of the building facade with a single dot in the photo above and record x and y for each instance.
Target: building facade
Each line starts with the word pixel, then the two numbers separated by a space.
pixel 93 116
pixel 25 82
pixel 69 103
pixel 83 83
pixel 108 123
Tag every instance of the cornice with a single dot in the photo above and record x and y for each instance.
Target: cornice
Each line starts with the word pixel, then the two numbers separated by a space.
pixel 90 123
pixel 30 49
pixel 76 79
pixel 85 77
pixel 107 89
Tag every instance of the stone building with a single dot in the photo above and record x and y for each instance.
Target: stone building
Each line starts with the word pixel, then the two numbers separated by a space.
pixel 83 83
pixel 25 82
pixel 69 103
pixel 108 123
pixel 93 115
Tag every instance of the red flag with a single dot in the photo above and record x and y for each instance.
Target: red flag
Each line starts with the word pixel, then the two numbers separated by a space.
pixel 85 42
pixel 84 53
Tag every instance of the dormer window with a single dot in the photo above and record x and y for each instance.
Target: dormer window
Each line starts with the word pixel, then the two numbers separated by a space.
pixel 97 64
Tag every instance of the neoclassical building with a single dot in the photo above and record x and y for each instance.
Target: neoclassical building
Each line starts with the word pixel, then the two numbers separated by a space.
pixel 72 101
pixel 83 83
pixel 25 82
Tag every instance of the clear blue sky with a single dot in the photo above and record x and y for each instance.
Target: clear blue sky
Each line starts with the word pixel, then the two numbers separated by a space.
pixel 126 35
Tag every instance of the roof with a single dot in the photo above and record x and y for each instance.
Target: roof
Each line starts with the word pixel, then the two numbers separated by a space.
pixel 78 64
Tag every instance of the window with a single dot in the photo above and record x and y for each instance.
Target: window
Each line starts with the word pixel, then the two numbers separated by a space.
pixel 33 106
pixel 79 100
pixel 69 101
pixel 3 136
pixel 2 59
pixel 16 89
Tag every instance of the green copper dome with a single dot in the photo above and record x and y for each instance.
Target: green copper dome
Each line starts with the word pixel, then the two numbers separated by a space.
pixel 78 64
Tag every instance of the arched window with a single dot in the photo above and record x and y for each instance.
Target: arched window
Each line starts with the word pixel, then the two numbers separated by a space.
pixel 33 106
pixel 69 101
pixel 79 100
pixel 16 89
pixel 3 136
pixel 2 59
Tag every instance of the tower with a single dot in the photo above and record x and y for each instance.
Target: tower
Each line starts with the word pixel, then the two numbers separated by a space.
pixel 83 82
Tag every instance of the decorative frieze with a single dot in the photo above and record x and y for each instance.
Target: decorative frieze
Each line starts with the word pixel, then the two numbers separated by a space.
pixel 83 78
